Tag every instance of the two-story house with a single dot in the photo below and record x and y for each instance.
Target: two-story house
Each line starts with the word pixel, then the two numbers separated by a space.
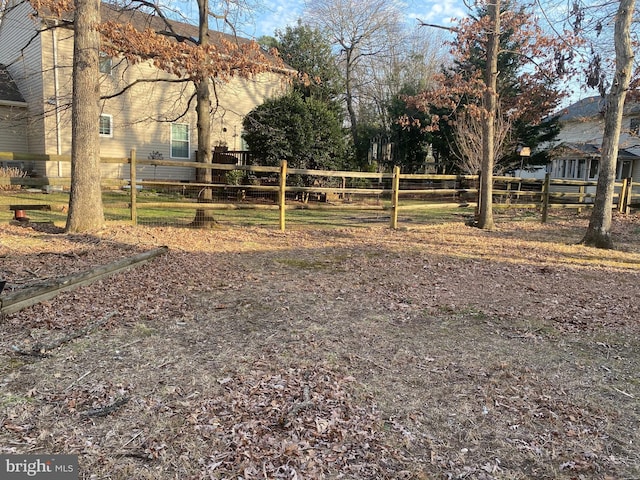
pixel 13 115
pixel 578 150
pixel 157 118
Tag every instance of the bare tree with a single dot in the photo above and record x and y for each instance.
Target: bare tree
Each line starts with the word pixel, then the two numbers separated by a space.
pixel 203 109
pixel 361 29
pixel 411 63
pixel 599 231
pixel 469 140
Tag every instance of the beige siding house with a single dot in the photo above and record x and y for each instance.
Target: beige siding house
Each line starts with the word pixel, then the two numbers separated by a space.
pixel 13 117
pixel 155 118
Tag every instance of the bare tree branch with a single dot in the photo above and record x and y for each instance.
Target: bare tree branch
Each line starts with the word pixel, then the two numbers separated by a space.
pixel 468 138
pixel 144 80
pixel 442 27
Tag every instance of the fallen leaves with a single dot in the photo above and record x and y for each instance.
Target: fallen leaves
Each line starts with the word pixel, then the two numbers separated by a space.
pixel 436 352
pixel 301 423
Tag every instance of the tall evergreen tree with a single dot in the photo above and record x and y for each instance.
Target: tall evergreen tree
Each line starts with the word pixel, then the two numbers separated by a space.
pixel 308 51
pixel 305 126
pixel 411 144
pixel 532 126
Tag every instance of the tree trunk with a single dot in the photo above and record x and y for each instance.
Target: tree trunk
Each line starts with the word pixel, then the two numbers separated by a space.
pixel 85 201
pixel 353 119
pixel 599 231
pixel 485 217
pixel 203 218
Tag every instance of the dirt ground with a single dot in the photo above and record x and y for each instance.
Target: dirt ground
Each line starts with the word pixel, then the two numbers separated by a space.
pixel 439 351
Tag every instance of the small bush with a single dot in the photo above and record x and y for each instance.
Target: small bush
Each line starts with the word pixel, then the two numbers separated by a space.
pixel 8 173
pixel 234 177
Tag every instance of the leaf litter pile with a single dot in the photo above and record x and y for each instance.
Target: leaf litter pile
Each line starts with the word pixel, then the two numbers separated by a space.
pixel 440 351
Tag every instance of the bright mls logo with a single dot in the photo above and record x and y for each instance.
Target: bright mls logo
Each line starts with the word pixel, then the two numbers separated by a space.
pixel 49 467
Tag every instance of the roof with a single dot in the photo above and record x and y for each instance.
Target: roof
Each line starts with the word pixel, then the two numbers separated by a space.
pixel 582 150
pixel 591 107
pixel 8 89
pixel 141 19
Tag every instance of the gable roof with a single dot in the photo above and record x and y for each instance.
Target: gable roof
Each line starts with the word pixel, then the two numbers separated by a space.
pixel 591 107
pixel 584 108
pixel 8 89
pixel 140 19
pixel 582 150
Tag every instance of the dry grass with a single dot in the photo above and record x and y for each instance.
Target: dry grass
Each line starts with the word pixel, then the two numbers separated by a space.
pixel 7 173
pixel 436 352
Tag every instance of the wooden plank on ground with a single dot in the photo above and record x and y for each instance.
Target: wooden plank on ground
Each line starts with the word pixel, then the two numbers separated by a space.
pixel 30 207
pixel 25 298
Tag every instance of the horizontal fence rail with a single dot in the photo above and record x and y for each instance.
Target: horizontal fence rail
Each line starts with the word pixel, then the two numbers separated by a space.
pixel 285 189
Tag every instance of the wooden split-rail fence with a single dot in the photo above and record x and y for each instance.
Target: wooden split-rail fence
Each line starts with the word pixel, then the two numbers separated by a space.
pixel 404 191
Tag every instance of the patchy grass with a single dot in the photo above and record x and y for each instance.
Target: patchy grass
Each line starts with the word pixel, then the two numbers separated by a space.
pixel 440 351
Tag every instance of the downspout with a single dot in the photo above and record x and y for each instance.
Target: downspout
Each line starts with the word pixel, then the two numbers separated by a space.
pixel 56 99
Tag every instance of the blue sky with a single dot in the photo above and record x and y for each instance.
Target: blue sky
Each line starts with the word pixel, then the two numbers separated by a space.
pixel 277 14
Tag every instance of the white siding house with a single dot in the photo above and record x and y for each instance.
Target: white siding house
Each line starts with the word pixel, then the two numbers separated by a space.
pixel 578 150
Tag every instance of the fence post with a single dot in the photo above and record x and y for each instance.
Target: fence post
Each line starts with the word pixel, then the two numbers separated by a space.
pixel 134 190
pixel 545 197
pixel 622 196
pixel 476 213
pixel 581 191
pixel 281 195
pixel 627 196
pixel 395 189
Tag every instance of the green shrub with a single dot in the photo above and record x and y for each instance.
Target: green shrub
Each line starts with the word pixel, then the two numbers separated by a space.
pixel 234 177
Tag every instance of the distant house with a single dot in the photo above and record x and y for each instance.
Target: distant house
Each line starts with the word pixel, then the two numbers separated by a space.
pixel 577 153
pixel 156 118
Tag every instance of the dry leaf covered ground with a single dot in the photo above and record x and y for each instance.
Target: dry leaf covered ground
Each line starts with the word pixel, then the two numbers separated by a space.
pixel 439 351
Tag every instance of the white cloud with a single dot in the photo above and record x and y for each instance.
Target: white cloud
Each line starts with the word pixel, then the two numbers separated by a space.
pixel 438 13
pixel 276 15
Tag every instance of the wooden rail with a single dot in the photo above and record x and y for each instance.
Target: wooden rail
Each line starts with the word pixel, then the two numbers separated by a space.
pixel 15 302
pixel 395 186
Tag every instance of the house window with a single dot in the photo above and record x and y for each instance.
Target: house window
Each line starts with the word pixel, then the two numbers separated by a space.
pixel 634 126
pixel 624 169
pixel 574 169
pixel 106 126
pixel 571 169
pixel 581 173
pixel 105 63
pixel 593 169
pixel 180 140
pixel 564 169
